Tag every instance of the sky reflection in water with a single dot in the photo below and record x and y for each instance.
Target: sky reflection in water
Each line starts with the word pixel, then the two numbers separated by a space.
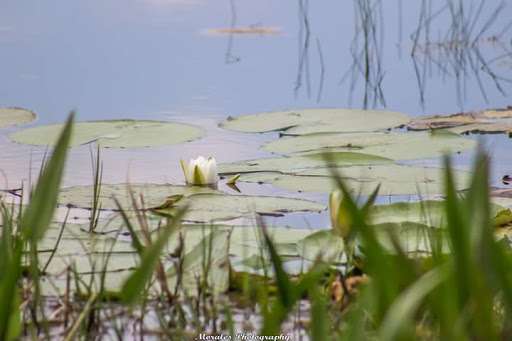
pixel 152 59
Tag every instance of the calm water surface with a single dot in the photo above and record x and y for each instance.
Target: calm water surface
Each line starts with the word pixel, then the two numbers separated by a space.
pixel 156 59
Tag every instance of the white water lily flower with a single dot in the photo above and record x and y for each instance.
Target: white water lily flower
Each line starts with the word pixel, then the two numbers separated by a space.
pixel 200 171
pixel 340 221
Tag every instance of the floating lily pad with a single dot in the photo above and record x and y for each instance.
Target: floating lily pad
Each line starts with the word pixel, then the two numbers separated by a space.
pixel 427 212
pixel 412 237
pixel 484 128
pixel 212 250
pixel 245 241
pixel 442 122
pixel 15 116
pixel 502 201
pixel 324 246
pixel 205 204
pixel 153 194
pixel 113 134
pixel 484 121
pixel 56 284
pixel 393 146
pixel 308 121
pixel 90 253
pixel 297 163
pixel 393 179
pixel 216 207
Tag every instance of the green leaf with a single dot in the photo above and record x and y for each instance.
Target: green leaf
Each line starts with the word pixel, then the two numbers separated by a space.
pixel 399 318
pixel 309 121
pixel 233 180
pixel 154 194
pixel 39 213
pixel 136 283
pixel 208 262
pixel 170 201
pixel 389 145
pixel 113 134
pixel 294 164
pixel 393 179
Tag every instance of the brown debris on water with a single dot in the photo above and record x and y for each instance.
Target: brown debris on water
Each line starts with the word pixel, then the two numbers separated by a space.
pixel 490 121
pixel 249 30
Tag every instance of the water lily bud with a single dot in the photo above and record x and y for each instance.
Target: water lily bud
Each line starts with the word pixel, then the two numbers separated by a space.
pixel 340 220
pixel 200 171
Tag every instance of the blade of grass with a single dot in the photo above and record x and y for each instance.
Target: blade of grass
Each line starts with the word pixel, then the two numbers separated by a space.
pixel 39 213
pixel 150 257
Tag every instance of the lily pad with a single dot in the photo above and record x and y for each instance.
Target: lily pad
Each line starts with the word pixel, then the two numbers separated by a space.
pixel 153 194
pixel 484 128
pixel 205 204
pixel 502 201
pixel 389 145
pixel 15 116
pixel 89 252
pixel 485 121
pixel 324 246
pixel 308 121
pixel 212 250
pixel 113 134
pixel 245 241
pixel 298 163
pixel 427 212
pixel 56 284
pixel 412 237
pixel 217 207
pixel 393 179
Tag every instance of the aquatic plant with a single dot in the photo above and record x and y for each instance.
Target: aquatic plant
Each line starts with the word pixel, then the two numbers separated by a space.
pixel 200 171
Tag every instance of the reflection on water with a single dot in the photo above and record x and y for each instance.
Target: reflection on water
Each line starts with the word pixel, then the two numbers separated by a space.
pixel 366 51
pixel 464 50
pixel 142 58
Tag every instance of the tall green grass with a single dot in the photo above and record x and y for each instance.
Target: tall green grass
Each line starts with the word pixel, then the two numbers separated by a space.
pixel 32 226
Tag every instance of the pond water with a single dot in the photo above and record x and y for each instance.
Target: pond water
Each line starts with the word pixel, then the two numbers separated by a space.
pixel 160 60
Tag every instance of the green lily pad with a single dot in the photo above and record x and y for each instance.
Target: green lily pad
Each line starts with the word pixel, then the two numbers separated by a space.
pixel 88 253
pixel 205 204
pixel 15 116
pixel 328 246
pixel 246 240
pixel 394 146
pixel 212 250
pixel 296 163
pixel 427 212
pixel 393 179
pixel 153 194
pixel 216 207
pixel 56 284
pixel 308 121
pixel 325 245
pixel 113 134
